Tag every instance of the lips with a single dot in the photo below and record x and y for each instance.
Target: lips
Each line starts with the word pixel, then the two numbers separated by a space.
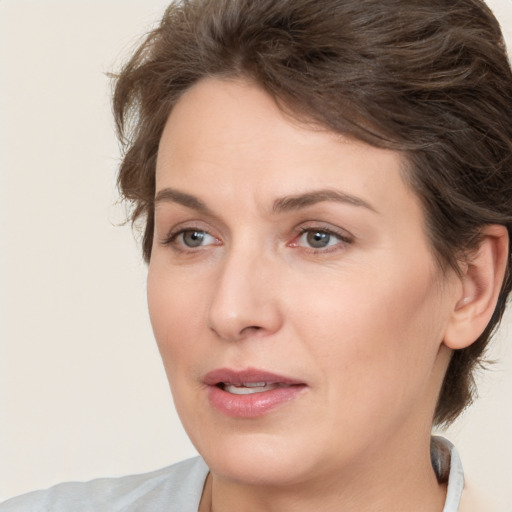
pixel 250 393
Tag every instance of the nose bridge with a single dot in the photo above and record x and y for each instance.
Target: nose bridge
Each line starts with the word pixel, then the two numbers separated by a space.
pixel 244 300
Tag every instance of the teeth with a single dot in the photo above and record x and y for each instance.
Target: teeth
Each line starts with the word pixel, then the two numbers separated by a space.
pixel 249 387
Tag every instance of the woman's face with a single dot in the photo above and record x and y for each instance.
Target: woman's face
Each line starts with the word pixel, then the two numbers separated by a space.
pixel 293 295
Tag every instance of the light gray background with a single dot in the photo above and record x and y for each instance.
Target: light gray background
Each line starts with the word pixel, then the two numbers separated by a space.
pixel 82 390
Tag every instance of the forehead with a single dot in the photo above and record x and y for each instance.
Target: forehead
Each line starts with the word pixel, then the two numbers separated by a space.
pixel 232 135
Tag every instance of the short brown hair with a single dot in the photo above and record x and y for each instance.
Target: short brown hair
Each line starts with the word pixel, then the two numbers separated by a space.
pixel 429 78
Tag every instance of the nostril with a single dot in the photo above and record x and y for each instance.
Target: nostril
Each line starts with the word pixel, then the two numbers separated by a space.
pixel 233 333
pixel 251 329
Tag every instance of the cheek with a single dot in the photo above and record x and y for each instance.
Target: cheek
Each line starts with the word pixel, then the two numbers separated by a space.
pixel 174 311
pixel 374 337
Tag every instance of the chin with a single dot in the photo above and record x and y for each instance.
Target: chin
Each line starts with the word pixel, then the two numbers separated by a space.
pixel 244 451
pixel 262 458
pixel 257 464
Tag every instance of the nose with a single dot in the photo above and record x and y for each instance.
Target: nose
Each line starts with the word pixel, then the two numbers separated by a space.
pixel 245 302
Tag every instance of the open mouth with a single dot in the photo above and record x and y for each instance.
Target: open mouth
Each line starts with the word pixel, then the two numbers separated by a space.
pixel 247 388
pixel 250 393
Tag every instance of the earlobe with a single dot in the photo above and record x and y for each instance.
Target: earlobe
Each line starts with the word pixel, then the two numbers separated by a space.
pixel 482 278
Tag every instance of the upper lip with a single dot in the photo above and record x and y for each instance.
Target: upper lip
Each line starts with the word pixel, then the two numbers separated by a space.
pixel 248 375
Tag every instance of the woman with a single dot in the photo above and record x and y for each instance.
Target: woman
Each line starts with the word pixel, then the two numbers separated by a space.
pixel 326 195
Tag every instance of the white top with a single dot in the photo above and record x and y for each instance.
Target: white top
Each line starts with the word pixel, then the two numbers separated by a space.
pixel 176 488
pixel 455 478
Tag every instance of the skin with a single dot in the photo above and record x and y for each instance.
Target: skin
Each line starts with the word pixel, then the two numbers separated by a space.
pixel 361 321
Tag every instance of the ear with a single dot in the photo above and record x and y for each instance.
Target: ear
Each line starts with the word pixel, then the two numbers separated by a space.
pixel 483 274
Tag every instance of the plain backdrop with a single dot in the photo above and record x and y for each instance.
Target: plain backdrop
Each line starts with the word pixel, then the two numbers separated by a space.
pixel 82 389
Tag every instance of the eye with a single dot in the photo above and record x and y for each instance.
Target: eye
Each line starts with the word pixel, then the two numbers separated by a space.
pixel 317 239
pixel 320 239
pixel 191 238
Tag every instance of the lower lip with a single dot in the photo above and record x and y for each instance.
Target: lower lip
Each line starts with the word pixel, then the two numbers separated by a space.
pixel 254 404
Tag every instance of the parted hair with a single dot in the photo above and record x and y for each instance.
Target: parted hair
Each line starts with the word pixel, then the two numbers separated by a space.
pixel 428 78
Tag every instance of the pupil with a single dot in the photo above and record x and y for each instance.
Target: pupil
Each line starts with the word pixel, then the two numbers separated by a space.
pixel 318 239
pixel 193 238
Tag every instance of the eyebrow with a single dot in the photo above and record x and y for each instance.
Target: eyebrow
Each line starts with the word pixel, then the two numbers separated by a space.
pixel 175 196
pixel 300 201
pixel 282 204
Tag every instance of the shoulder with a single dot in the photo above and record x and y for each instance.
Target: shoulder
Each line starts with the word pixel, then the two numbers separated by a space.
pixel 176 488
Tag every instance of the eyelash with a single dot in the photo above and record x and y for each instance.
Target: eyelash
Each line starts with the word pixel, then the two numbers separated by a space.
pixel 343 239
pixel 171 239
